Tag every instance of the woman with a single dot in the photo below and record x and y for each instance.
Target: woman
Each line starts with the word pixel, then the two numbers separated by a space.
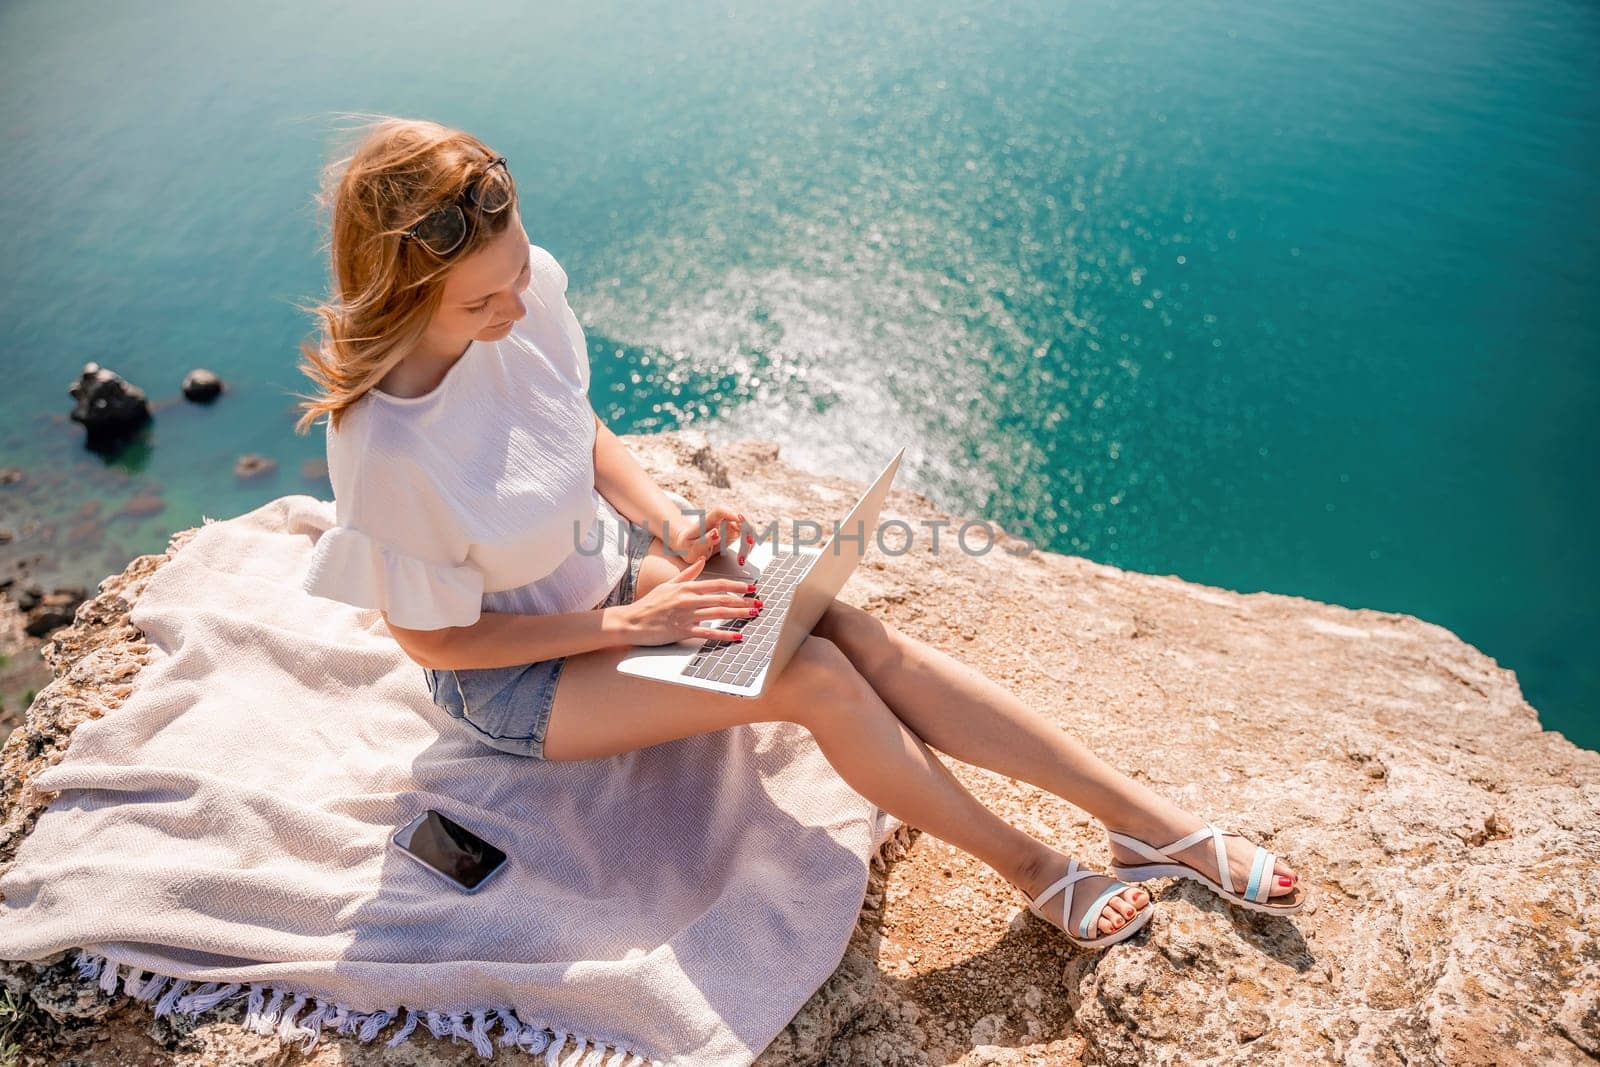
pixel 517 551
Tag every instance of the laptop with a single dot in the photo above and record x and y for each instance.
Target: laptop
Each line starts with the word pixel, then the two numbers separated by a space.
pixel 795 584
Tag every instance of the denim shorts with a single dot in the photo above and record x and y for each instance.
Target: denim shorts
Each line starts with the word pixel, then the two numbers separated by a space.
pixel 508 708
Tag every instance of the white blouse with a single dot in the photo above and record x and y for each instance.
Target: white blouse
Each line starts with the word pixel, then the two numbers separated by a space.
pixel 478 495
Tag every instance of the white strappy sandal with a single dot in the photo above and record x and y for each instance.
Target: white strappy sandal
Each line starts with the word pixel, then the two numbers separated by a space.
pixel 1164 865
pixel 1090 917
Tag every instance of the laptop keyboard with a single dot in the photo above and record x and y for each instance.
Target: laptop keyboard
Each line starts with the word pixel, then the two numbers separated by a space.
pixel 740 662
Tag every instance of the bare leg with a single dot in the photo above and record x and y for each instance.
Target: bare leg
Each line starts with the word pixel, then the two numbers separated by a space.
pixel 599 711
pixel 960 712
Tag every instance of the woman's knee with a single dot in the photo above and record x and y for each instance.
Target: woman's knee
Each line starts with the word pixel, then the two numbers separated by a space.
pixel 818 678
pixel 871 643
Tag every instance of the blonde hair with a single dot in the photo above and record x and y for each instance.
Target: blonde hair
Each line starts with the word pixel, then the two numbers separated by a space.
pixel 384 290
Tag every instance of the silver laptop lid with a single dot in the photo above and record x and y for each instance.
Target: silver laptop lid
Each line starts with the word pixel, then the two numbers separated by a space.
pixel 831 567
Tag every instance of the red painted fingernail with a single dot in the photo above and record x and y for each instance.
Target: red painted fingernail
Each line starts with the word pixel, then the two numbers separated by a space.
pixel 758 603
pixel 749 540
pixel 751 588
pixel 754 612
pixel 738 637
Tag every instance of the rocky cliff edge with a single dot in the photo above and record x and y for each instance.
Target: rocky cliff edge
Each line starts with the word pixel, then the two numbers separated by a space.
pixel 1452 846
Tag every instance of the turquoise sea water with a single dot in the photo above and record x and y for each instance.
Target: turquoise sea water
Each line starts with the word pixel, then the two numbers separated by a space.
pixel 1287 297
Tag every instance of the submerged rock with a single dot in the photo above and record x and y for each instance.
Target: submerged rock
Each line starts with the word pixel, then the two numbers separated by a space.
pixel 1451 846
pixel 253 465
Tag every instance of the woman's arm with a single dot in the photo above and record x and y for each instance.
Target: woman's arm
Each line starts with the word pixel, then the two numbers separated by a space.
pixel 629 487
pixel 505 639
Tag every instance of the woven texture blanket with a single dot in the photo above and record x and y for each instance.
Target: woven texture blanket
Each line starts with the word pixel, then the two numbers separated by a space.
pixel 225 834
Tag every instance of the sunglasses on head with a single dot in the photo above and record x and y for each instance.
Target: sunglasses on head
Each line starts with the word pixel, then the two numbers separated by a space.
pixel 445 228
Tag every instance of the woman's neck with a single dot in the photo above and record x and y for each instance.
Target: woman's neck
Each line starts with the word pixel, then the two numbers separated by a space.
pixel 430 355
pixel 419 373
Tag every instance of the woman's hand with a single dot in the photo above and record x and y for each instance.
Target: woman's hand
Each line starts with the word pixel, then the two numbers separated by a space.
pixel 695 542
pixel 680 607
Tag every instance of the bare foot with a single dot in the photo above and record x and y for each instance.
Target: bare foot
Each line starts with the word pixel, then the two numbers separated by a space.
pixel 1202 855
pixel 1116 913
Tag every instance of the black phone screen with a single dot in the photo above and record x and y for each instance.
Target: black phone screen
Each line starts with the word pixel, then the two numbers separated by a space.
pixel 451 849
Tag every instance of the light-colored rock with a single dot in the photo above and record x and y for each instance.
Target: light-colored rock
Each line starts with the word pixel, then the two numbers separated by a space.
pixel 1452 846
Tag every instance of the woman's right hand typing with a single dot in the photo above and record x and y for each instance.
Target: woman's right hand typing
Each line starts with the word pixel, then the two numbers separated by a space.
pixel 680 606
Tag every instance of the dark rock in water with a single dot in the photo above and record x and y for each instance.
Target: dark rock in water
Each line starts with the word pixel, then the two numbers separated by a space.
pixel 11 475
pixel 54 610
pixel 252 465
pixel 201 386
pixel 110 408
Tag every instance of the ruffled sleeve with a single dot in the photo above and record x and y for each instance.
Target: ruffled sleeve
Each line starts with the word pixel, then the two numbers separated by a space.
pixel 396 543
pixel 349 566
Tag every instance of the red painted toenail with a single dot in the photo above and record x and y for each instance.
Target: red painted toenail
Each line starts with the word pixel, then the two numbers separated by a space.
pixel 1283 881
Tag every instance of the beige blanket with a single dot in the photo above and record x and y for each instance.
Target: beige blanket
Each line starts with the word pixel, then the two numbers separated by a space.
pixel 225 834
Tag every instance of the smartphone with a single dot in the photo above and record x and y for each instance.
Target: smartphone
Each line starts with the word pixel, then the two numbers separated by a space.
pixel 450 850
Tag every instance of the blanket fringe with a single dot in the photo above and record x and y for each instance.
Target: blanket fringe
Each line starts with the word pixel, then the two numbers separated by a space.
pixel 267 1013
